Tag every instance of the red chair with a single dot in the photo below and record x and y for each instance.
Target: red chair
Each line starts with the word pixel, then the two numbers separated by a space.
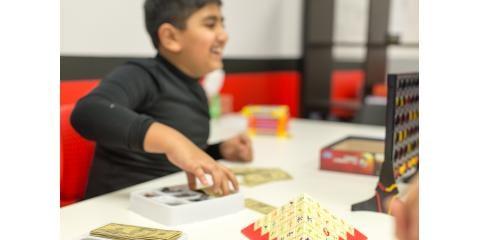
pixel 72 90
pixel 76 154
pixel 346 88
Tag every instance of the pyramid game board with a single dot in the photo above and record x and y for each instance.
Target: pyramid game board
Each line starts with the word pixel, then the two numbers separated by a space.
pixel 302 218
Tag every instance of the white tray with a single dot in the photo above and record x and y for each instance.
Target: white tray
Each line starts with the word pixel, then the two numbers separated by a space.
pixel 178 205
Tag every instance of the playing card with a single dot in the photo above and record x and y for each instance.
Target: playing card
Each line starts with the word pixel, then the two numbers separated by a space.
pixel 258 206
pixel 257 176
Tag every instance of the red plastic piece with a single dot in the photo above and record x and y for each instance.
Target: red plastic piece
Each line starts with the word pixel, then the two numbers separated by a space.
pixel 253 234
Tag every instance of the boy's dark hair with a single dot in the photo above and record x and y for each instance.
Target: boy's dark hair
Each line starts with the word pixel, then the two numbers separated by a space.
pixel 175 12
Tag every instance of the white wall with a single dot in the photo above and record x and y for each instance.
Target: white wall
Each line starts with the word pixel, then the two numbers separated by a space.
pixel 103 28
pixel 404 20
pixel 351 26
pixel 270 29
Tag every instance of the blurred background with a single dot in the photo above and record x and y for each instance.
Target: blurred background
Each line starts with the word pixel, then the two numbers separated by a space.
pixel 325 59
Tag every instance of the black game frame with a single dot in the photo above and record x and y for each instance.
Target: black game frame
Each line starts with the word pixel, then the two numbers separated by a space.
pixel 402 141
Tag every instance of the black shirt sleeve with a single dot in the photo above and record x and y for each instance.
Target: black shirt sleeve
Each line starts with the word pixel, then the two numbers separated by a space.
pixel 110 115
pixel 214 151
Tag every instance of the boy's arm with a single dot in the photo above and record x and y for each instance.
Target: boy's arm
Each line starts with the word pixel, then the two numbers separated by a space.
pixel 184 154
pixel 107 115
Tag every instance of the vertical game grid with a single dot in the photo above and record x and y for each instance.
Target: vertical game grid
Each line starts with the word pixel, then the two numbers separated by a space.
pixel 405 122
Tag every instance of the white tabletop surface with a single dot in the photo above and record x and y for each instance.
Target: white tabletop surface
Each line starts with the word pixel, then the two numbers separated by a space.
pixel 298 155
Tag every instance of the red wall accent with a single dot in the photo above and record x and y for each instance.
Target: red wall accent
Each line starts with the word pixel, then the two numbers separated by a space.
pixel 246 88
pixel 276 87
pixel 281 87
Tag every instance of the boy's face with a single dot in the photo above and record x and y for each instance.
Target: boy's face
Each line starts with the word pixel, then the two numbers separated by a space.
pixel 203 41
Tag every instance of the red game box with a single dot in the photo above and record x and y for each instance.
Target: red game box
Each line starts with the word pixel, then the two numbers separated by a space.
pixel 354 155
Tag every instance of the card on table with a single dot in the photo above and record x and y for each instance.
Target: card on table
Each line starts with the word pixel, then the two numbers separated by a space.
pixel 258 206
pixel 258 176
pixel 127 232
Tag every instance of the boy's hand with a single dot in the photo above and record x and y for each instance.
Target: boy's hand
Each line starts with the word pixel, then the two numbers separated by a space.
pixel 196 163
pixel 184 154
pixel 238 148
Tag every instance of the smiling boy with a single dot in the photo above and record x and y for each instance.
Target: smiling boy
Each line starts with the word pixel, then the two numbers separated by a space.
pixel 149 118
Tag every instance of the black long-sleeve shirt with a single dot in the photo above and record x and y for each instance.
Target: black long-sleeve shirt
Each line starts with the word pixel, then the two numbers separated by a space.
pixel 117 114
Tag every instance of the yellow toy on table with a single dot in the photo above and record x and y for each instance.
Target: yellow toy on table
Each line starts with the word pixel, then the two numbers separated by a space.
pixel 267 119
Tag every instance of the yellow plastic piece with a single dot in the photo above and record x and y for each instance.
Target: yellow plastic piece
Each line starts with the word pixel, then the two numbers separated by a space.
pixel 267 119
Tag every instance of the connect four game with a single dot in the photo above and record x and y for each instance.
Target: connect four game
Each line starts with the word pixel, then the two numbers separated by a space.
pixel 401 141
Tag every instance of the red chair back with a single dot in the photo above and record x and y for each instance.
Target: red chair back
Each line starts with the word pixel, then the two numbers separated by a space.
pixel 346 86
pixel 72 90
pixel 76 154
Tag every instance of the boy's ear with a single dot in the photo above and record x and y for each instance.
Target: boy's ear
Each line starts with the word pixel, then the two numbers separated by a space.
pixel 169 37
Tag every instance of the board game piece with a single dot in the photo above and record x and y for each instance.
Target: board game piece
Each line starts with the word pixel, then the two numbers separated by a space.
pixel 130 232
pixel 258 206
pixel 252 177
pixel 302 218
pixel 401 141
pixel 354 154
pixel 267 119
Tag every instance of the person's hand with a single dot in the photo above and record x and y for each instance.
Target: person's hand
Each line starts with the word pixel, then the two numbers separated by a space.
pixel 237 149
pixel 184 154
pixel 196 163
pixel 406 214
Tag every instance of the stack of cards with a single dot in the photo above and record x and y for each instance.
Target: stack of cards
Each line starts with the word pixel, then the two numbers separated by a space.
pixel 265 119
pixel 129 232
pixel 257 176
pixel 301 218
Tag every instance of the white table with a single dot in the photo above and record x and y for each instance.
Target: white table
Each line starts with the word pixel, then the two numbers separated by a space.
pixel 298 155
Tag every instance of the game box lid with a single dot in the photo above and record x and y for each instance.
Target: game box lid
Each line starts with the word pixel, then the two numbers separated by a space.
pixel 354 154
